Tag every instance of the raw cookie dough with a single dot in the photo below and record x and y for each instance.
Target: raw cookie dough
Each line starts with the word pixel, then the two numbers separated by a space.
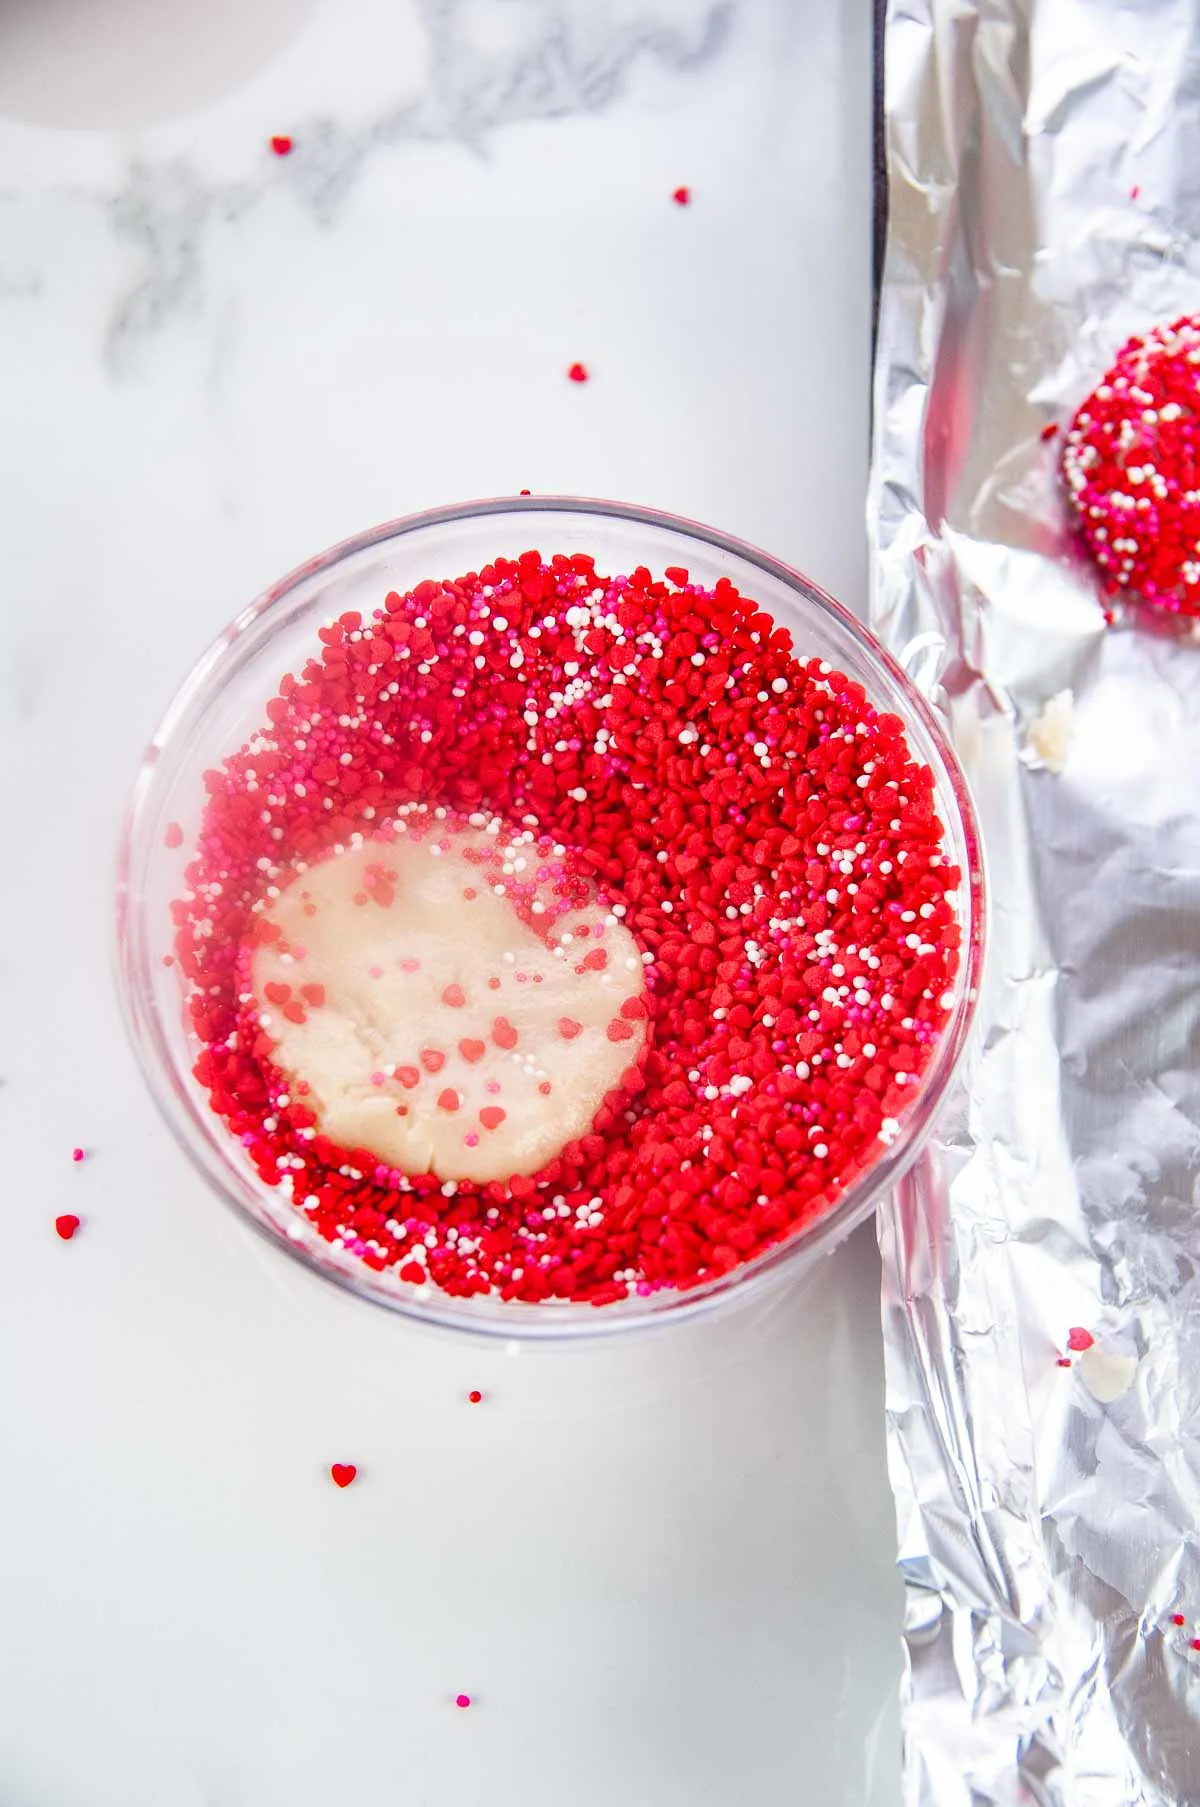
pixel 420 1017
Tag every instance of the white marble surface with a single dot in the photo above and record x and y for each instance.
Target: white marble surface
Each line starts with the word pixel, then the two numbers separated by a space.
pixel 664 1571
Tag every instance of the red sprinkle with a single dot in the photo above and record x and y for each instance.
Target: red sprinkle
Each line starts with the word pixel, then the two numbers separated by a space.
pixel 1079 1339
pixel 282 145
pixel 77 1154
pixel 448 1100
pixel 462 1700
pixel 475 1396
pixel 1177 1618
pixel 173 836
pixel 1131 465
pixel 343 1473
pixel 1064 1361
pixel 1050 430
pixel 681 196
pixel 1196 1643
pixel 797 941
pixel 578 373
pixel 66 1225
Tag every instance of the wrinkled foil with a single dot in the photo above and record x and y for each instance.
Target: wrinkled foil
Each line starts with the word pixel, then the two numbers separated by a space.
pixel 1044 173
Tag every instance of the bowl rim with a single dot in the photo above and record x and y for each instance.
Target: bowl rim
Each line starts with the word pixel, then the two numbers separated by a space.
pixel 546 1321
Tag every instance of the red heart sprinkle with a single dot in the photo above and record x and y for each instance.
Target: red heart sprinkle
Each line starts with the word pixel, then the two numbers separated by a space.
pixel 455 996
pixel 578 373
pixel 413 1272
pixel 619 1030
pixel 634 1008
pixel 276 993
pixel 314 993
pixel 681 196
pixel 568 1028
pixel 448 1100
pixel 432 1059
pixel 281 144
pixel 408 1077
pixel 491 1116
pixel 295 1012
pixel 472 1050
pixel 343 1473
pixel 503 1033
pixel 1079 1339
pixel 594 962
pixel 66 1225
pixel 173 836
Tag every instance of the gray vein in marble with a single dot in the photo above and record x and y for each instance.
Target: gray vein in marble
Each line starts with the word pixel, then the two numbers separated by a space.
pixel 561 57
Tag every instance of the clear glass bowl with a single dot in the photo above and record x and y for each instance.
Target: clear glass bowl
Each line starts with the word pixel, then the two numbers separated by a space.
pixel 224 699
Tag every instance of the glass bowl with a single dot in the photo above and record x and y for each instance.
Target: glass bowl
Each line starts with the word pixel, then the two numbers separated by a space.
pixel 223 701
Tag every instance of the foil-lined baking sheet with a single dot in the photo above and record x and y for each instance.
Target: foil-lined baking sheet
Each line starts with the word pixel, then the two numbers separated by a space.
pixel 1043 161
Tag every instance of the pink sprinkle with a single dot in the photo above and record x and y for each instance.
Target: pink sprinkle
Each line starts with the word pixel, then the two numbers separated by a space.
pixel 493 1086
pixel 376 972
pixel 377 1079
pixel 462 1700
pixel 410 966
pixel 1079 1338
pixel 77 1154
pixel 681 196
pixel 1135 191
pixel 173 836
pixel 471 1139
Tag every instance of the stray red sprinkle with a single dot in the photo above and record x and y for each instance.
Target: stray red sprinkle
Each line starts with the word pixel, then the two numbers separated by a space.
pixel 797 942
pixel 578 373
pixel 343 1473
pixel 282 145
pixel 1079 1339
pixel 448 1100
pixel 1196 1643
pixel 681 196
pixel 462 1700
pixel 1064 1361
pixel 475 1396
pixel 1135 191
pixel 1177 1618
pixel 66 1225
pixel 1131 462
pixel 173 836
pixel 455 996
pixel 526 492
pixel 1050 430
pixel 77 1154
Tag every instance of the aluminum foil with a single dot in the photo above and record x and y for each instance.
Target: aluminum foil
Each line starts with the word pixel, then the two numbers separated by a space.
pixel 1044 169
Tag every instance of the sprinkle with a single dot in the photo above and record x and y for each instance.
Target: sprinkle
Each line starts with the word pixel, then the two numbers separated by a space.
pixel 1049 431
pixel 173 836
pixel 1079 1339
pixel 66 1225
pixel 578 373
pixel 282 145
pixel 1177 1618
pixel 462 1700
pixel 475 1396
pixel 454 996
pixel 794 961
pixel 77 1154
pixel 343 1473
pixel 681 196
